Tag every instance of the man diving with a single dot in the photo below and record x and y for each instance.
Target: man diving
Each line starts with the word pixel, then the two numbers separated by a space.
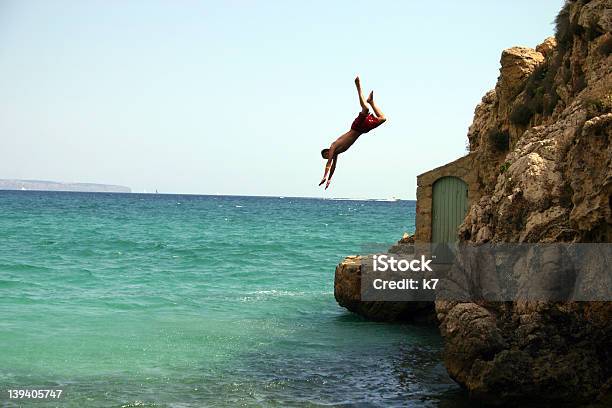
pixel 364 122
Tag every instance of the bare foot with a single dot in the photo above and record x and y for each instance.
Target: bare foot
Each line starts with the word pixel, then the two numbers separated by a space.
pixel 357 82
pixel 370 97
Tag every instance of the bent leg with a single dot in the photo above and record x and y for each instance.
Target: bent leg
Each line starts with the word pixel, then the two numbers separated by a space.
pixel 375 108
pixel 362 102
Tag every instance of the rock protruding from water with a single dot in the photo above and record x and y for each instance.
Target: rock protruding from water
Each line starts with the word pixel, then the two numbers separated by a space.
pixel 347 291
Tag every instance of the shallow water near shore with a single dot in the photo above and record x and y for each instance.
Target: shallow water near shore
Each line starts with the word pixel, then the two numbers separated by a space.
pixel 189 301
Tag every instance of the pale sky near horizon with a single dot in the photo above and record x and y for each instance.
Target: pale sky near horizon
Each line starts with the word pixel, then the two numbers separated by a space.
pixel 239 97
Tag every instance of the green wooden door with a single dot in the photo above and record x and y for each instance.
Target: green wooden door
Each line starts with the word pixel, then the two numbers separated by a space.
pixel 448 209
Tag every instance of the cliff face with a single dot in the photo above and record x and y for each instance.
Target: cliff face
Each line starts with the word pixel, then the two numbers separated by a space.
pixel 542 144
pixel 542 137
pixel 541 152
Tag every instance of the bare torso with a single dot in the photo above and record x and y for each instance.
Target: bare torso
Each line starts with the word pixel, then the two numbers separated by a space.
pixel 345 141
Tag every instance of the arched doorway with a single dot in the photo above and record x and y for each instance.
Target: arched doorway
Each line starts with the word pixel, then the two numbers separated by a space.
pixel 449 207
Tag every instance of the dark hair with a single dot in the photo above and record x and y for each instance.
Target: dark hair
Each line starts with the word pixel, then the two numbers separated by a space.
pixel 324 153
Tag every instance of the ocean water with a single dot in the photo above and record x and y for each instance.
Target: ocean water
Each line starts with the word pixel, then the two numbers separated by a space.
pixel 191 301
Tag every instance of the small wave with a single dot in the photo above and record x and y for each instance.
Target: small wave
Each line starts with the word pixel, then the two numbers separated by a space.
pixel 353 199
pixel 138 403
pixel 275 292
pixel 257 295
pixel 386 200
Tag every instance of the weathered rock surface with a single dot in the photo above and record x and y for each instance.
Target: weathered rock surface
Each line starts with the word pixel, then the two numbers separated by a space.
pixel 542 141
pixel 347 291
pixel 541 147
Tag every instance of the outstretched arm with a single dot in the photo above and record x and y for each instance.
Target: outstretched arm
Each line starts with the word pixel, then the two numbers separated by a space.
pixel 331 156
pixel 331 172
pixel 362 102
pixel 381 116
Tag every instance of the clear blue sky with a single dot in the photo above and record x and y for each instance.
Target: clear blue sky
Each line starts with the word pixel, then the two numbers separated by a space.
pixel 239 97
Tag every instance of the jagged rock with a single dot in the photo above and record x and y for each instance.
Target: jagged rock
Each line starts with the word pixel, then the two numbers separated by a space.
pixel 406 239
pixel 554 184
pixel 596 14
pixel 347 291
pixel 517 64
pixel 404 246
pixel 482 119
pixel 547 46
pixel 532 351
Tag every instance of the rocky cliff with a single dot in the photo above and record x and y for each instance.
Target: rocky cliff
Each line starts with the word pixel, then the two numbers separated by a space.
pixel 542 144
pixel 347 291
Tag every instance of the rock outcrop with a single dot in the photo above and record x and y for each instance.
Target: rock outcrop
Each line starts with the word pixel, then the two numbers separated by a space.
pixel 541 146
pixel 347 291
pixel 542 141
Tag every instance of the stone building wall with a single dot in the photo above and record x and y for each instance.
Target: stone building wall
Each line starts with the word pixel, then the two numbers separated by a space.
pixel 463 168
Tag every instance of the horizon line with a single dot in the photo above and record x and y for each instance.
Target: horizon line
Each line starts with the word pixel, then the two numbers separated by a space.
pixel 213 195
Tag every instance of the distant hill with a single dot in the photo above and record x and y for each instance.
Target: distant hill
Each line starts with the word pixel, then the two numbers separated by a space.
pixel 44 185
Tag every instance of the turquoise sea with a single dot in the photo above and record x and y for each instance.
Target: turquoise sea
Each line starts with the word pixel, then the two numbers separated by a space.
pixel 192 301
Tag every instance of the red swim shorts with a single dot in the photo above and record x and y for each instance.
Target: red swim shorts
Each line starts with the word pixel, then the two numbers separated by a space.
pixel 365 122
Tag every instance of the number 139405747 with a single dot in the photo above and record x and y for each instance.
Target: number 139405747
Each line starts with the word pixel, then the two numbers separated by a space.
pixel 34 394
